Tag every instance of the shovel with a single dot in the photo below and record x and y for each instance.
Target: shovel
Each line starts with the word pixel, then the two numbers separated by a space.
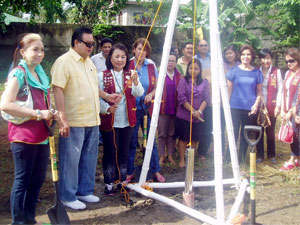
pixel 57 214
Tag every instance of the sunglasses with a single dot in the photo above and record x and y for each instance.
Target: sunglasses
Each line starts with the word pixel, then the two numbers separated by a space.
pixel 89 45
pixel 290 61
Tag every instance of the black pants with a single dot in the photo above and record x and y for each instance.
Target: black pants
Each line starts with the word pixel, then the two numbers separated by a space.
pixel 270 132
pixel 240 118
pixel 205 132
pixel 120 138
pixel 30 163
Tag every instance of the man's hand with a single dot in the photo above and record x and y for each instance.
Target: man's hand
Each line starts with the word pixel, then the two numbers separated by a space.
pixel 64 128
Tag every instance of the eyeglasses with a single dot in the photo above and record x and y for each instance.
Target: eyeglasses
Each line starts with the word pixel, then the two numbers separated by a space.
pixel 203 45
pixel 89 45
pixel 290 61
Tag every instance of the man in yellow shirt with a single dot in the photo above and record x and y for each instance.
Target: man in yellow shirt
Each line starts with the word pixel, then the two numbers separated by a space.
pixel 183 61
pixel 75 88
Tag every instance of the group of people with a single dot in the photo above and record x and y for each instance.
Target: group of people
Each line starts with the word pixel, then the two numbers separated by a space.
pixel 106 98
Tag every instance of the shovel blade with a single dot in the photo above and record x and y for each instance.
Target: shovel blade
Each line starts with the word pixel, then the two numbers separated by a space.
pixel 58 214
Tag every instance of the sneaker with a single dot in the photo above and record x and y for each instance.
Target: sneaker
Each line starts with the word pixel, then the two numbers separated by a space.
pixel 273 160
pixel 89 198
pixel 287 166
pixel 258 160
pixel 123 184
pixel 109 190
pixel 75 204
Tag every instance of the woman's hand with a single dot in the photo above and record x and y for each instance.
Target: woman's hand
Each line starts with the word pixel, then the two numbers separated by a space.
pixel 286 116
pixel 134 77
pixel 113 98
pixel 276 111
pixel 254 109
pixel 113 108
pixel 297 119
pixel 198 115
pixel 46 114
pixel 148 98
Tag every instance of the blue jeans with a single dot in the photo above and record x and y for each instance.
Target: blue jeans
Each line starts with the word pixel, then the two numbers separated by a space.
pixel 78 156
pixel 154 163
pixel 30 163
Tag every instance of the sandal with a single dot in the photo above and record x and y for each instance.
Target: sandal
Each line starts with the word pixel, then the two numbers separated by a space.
pixel 287 166
pixel 160 178
pixel 129 178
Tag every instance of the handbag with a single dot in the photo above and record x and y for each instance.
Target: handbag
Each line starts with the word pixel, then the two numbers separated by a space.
pixel 25 90
pixel 263 118
pixel 286 132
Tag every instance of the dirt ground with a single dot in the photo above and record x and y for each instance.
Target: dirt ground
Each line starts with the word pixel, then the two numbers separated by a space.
pixel 278 194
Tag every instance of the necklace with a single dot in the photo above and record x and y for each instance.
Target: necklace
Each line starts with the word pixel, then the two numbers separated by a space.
pixel 117 80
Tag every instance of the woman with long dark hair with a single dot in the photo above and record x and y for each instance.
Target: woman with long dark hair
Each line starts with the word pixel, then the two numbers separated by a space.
pixel 193 79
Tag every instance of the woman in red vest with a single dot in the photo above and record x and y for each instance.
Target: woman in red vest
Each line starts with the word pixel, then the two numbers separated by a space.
pixel 118 119
pixel 291 82
pixel 167 116
pixel 147 73
pixel 29 140
pixel 271 91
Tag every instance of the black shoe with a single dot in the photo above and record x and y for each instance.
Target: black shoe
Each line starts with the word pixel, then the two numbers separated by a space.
pixel 119 186
pixel 109 192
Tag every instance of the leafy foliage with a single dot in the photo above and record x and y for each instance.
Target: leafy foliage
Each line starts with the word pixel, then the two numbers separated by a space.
pixel 102 30
pixel 91 12
pixel 284 20
pixel 50 9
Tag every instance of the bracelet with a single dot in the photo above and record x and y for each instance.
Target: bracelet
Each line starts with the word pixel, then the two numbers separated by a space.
pixel 38 114
pixel 150 95
pixel 106 94
pixel 200 111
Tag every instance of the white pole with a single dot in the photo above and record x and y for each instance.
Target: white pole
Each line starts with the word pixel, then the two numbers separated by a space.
pixel 229 126
pixel 189 211
pixel 181 184
pixel 215 57
pixel 238 200
pixel 159 89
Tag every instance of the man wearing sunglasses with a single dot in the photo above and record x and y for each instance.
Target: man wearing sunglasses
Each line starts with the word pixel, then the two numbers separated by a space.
pixel 76 94
pixel 206 127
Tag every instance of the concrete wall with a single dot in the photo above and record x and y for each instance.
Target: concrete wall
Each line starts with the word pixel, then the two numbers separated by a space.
pixel 57 40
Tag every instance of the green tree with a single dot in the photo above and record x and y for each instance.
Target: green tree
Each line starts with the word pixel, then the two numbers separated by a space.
pixel 52 9
pixel 91 12
pixel 284 20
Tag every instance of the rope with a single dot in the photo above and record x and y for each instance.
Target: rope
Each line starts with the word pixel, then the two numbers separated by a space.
pixel 152 25
pixel 146 187
pixel 193 65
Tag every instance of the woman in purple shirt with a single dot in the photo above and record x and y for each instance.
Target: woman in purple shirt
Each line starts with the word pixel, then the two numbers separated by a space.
pixel 244 90
pixel 200 100
pixel 166 120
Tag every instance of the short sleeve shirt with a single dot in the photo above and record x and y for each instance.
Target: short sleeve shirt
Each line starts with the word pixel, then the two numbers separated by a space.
pixel 244 87
pixel 78 79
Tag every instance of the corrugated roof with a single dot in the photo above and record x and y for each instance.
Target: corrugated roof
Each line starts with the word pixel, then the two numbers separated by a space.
pixel 10 19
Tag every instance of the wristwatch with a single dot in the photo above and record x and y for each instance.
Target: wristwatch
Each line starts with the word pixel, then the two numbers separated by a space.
pixel 38 114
